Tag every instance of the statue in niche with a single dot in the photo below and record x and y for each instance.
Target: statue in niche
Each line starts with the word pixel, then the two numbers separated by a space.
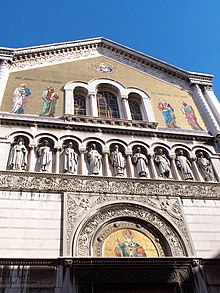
pixel 205 167
pixel 18 156
pixel 70 159
pixel 184 165
pixel 49 100
pixel 20 97
pixel 44 156
pixel 141 162
pixel 163 164
pixel 94 159
pixel 118 161
pixel 190 116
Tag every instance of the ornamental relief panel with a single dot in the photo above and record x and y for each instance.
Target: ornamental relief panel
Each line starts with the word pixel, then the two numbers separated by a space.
pixel 103 213
pixel 71 183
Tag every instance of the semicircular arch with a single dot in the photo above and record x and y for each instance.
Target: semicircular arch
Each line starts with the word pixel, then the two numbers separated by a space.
pixel 85 239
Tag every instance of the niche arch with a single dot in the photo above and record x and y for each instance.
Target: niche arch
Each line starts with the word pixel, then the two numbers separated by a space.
pixel 94 229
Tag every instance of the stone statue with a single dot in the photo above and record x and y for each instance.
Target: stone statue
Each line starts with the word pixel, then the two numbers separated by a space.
pixel 163 165
pixel 94 159
pixel 118 162
pixel 70 159
pixel 18 156
pixel 184 165
pixel 141 162
pixel 205 167
pixel 44 156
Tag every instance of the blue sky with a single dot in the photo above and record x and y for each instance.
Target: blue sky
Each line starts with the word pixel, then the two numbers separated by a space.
pixel 184 33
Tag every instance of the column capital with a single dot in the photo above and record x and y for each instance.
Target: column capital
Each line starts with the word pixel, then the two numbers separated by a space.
pixel 105 151
pixel 82 150
pixel 124 97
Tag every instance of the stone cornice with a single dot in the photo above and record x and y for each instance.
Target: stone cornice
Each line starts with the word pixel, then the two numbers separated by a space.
pixel 97 124
pixel 61 52
pixel 47 182
pixel 102 261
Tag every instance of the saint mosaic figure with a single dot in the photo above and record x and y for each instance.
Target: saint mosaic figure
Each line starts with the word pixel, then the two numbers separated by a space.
pixel 205 167
pixel 141 162
pixel 18 156
pixel 190 116
pixel 118 161
pixel 49 100
pixel 20 97
pixel 163 165
pixel 44 156
pixel 168 113
pixel 184 165
pixel 129 248
pixel 70 159
pixel 94 159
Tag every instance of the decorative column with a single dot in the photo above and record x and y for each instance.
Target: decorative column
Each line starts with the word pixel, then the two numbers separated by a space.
pixel 32 159
pixel 4 73
pixel 174 169
pixel 212 101
pixel 152 165
pixel 205 110
pixel 82 152
pixel 130 169
pixel 195 170
pixel 126 108
pixel 93 105
pixel 57 159
pixel 59 279
pixel 69 102
pixel 147 110
pixel 106 171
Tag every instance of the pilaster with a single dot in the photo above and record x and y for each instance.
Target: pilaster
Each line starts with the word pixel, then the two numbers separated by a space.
pixel 205 110
pixel 4 73
pixel 213 102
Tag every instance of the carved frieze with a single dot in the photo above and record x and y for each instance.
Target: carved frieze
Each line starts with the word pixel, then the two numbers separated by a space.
pixel 11 180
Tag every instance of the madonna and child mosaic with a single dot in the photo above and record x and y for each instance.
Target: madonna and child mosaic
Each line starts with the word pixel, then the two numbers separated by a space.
pixel 49 98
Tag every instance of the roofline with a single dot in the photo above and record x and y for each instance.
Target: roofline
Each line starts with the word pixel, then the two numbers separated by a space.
pixel 9 53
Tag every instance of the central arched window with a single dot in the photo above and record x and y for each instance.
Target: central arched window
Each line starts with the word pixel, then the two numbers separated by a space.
pixel 135 110
pixel 107 105
pixel 79 105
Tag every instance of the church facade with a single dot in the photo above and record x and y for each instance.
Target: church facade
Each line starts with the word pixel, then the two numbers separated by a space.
pixel 109 172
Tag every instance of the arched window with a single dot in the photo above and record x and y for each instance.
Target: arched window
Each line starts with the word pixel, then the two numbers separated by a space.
pixel 107 105
pixel 79 104
pixel 135 110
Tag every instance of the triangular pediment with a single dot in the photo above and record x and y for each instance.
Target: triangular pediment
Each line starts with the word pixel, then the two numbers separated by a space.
pixel 58 64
